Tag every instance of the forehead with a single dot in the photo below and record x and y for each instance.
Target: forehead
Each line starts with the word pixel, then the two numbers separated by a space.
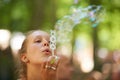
pixel 39 34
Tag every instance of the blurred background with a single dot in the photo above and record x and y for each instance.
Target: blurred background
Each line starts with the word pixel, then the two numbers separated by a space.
pixel 91 36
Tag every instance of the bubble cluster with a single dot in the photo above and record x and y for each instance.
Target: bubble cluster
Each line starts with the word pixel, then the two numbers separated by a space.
pixel 90 14
pixel 52 41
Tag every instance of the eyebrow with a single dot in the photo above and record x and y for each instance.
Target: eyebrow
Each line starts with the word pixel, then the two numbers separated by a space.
pixel 37 37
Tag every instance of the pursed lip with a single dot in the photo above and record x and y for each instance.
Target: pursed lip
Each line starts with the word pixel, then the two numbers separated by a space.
pixel 47 51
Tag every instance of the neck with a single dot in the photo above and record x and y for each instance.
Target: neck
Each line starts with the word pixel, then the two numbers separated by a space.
pixel 36 73
pixel 33 73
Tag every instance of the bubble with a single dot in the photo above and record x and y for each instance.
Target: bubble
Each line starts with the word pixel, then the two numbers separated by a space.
pixel 92 19
pixel 52 32
pixel 52 46
pixel 78 15
pixel 52 40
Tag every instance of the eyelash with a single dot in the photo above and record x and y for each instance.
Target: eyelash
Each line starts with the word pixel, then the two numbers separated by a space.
pixel 38 41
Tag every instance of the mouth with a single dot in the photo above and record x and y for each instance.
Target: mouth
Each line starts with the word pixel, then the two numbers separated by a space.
pixel 47 51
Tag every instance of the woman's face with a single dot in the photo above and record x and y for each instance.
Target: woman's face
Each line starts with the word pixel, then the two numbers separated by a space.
pixel 38 47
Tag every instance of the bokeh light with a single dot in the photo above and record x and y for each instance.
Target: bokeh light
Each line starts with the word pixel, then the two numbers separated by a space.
pixel 4 38
pixel 16 42
pixel 102 53
pixel 83 53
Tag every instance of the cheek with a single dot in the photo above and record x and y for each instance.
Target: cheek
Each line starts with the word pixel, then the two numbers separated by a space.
pixel 34 54
pixel 34 49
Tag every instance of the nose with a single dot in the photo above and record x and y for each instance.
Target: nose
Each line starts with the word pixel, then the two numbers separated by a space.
pixel 45 42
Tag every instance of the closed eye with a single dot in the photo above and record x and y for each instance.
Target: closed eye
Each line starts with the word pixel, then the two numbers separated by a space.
pixel 38 41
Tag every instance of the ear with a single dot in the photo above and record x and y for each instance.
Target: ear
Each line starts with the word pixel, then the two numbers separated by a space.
pixel 24 58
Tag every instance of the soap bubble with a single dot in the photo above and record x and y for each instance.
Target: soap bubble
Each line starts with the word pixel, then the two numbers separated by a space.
pixel 78 15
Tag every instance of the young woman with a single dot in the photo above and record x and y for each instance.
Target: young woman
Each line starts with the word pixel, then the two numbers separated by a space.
pixel 35 58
